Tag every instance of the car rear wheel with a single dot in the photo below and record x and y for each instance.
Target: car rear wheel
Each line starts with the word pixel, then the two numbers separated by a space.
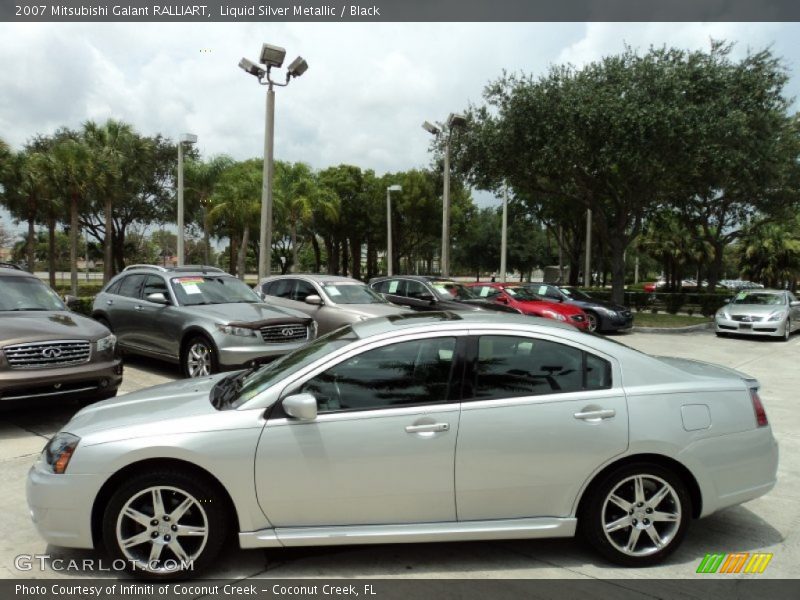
pixel 199 358
pixel 165 525
pixel 593 321
pixel 637 515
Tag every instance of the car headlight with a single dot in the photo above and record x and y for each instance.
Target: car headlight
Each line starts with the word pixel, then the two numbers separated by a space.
pixel 551 314
pixel 606 311
pixel 240 331
pixel 777 316
pixel 59 451
pixel 106 343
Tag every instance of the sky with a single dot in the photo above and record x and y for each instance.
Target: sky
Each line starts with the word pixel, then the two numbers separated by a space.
pixel 367 90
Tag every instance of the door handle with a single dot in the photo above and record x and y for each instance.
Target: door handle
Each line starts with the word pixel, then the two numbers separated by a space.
pixel 428 427
pixel 109 302
pixel 138 307
pixel 596 415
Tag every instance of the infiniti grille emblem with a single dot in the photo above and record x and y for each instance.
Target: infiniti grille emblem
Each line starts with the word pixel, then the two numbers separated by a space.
pixel 51 352
pixel 287 331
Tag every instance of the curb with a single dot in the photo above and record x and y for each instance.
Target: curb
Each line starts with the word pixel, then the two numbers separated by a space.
pixel 687 329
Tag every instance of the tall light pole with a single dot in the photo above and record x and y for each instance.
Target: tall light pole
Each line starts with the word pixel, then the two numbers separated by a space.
pixel 389 190
pixel 186 138
pixel 453 121
pixel 587 269
pixel 504 235
pixel 271 56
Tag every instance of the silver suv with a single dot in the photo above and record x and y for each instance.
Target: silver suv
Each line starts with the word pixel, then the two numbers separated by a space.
pixel 197 316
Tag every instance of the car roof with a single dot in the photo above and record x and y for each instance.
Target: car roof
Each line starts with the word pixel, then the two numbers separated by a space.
pixel 316 277
pixel 184 270
pixel 414 277
pixel 14 272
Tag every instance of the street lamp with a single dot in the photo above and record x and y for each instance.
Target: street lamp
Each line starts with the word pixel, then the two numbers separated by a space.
pixel 453 121
pixel 389 190
pixel 186 138
pixel 504 236
pixel 271 57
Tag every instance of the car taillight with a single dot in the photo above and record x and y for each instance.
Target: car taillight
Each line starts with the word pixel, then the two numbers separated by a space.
pixel 758 409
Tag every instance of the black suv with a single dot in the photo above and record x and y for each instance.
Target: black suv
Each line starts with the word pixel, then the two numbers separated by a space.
pixel 427 292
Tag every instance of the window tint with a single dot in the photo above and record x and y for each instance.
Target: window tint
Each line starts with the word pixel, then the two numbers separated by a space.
pixel 416 289
pixel 486 291
pixel 509 367
pixel 154 285
pixel 396 287
pixel 302 290
pixel 114 287
pixel 282 288
pixel 403 374
pixel 130 286
pixel 266 289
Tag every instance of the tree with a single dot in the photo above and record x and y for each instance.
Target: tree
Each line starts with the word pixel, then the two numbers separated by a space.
pixel 201 178
pixel 294 193
pixel 770 253
pixel 479 248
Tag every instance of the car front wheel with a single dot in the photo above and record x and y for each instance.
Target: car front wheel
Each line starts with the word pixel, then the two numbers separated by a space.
pixel 199 358
pixel 593 321
pixel 787 330
pixel 165 525
pixel 637 515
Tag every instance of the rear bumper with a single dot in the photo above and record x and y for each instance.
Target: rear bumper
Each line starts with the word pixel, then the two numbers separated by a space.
pixel 86 380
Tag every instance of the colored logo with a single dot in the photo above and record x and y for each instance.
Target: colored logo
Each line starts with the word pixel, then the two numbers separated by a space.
pixel 736 562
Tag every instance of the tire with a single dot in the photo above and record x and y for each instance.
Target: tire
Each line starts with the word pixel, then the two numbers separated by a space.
pixel 787 330
pixel 594 322
pixel 628 516
pixel 130 515
pixel 199 357
pixel 721 334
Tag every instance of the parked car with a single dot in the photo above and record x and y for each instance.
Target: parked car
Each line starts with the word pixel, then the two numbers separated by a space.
pixel 529 303
pixel 46 351
pixel 352 440
pixel 601 315
pixel 429 293
pixel 759 312
pixel 331 300
pixel 199 317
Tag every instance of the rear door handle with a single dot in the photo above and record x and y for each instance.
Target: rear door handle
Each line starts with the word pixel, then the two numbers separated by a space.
pixel 428 427
pixel 596 415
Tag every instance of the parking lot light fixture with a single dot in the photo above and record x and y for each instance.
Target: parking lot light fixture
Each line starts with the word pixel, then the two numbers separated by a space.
pixel 186 138
pixel 454 121
pixel 389 190
pixel 271 57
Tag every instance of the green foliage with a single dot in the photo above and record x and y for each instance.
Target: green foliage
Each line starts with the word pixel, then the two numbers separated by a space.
pixel 674 302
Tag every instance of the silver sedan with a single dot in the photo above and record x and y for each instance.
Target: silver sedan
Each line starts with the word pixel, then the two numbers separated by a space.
pixel 773 313
pixel 352 440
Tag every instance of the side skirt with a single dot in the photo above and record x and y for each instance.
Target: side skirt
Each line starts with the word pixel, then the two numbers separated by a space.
pixel 411 533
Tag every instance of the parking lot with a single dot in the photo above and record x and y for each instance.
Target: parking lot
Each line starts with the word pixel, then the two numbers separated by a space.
pixel 768 524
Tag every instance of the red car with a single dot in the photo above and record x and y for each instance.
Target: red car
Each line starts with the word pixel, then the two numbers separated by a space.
pixel 528 303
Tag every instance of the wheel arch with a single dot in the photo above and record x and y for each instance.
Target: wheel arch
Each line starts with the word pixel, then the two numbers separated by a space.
pixel 149 465
pixel 191 332
pixel 657 459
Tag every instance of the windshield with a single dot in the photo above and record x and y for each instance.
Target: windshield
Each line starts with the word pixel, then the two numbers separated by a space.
pixel 521 293
pixel 290 363
pixel 759 298
pixel 450 290
pixel 209 289
pixel 575 294
pixel 27 293
pixel 352 293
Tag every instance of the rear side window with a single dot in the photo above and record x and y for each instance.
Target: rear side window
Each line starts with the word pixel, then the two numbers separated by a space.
pixel 130 286
pixel 114 287
pixel 510 367
pixel 396 287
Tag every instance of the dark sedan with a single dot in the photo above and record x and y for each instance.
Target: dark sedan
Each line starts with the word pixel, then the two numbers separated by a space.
pixel 602 315
pixel 424 293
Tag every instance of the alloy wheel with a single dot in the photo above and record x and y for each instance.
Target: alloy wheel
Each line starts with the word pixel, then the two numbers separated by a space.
pixel 198 360
pixel 787 330
pixel 592 318
pixel 161 529
pixel 641 515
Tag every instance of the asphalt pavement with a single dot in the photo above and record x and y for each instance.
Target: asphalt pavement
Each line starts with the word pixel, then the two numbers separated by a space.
pixel 768 524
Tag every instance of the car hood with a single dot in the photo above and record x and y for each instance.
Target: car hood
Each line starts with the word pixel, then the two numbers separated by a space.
pixel 755 309
pixel 244 312
pixel 373 310
pixel 596 303
pixel 483 304
pixel 42 326
pixel 563 308
pixel 179 401
pixel 705 369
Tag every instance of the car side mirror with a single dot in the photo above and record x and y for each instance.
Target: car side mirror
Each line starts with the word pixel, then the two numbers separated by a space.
pixel 71 301
pixel 314 299
pixel 157 298
pixel 300 406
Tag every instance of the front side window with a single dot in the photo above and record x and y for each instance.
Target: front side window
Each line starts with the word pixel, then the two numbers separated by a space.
pixel 486 291
pixel 510 366
pixel 155 285
pixel 401 374
pixel 27 293
pixel 130 286
pixel 303 290
pixel 522 294
pixel 207 289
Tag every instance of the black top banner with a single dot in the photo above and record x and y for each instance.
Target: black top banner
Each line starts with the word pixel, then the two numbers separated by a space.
pixel 398 10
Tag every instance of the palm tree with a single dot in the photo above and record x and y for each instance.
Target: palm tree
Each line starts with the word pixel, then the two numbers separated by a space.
pixel 295 193
pixel 201 180
pixel 770 253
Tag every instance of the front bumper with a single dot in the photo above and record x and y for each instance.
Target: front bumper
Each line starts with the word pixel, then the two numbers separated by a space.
pixel 771 328
pixel 61 506
pixel 88 380
pixel 234 353
pixel 616 321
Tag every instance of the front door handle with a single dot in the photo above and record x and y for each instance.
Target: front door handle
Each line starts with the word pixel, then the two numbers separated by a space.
pixel 596 415
pixel 428 428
